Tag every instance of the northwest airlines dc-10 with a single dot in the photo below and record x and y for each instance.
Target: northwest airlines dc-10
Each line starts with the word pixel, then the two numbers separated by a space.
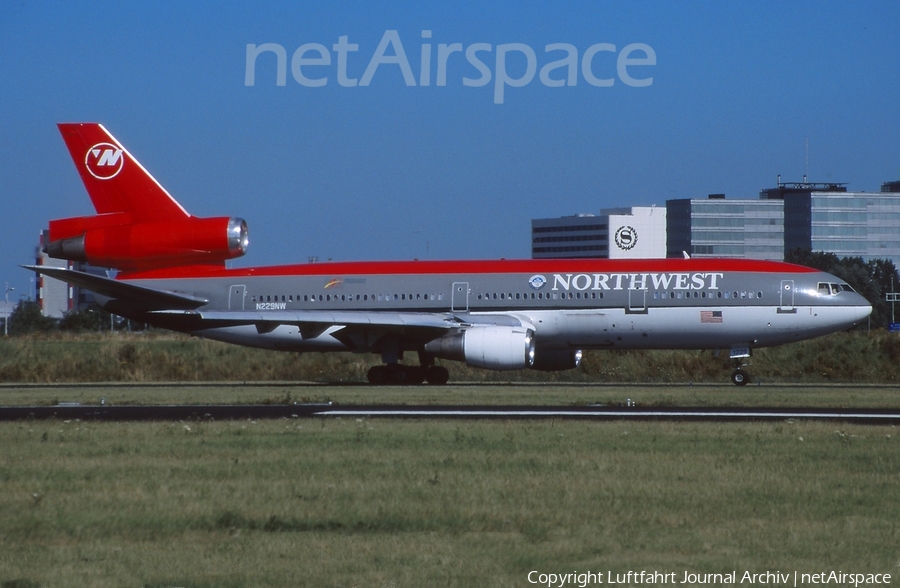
pixel 498 315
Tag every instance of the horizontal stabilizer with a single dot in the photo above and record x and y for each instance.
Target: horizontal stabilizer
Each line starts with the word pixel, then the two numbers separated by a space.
pixel 137 297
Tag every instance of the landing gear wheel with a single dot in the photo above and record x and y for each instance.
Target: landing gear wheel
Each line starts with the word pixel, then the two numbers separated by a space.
pixel 437 375
pixel 740 377
pixel 399 375
pixel 378 375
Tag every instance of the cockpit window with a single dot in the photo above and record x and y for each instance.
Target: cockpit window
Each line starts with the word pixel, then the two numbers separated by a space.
pixel 827 289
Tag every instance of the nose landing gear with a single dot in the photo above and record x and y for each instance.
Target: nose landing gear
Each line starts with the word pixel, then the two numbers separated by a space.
pixel 739 376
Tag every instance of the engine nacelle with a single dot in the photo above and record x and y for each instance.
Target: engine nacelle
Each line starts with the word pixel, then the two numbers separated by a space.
pixel 493 348
pixel 141 246
pixel 553 360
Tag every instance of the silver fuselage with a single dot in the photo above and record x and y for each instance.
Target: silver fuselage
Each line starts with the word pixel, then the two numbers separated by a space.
pixel 583 304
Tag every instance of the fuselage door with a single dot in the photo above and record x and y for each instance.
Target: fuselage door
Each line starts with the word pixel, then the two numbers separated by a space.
pixel 236 297
pixel 787 296
pixel 459 298
pixel 637 301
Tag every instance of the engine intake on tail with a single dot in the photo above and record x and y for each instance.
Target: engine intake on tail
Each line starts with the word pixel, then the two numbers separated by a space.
pixel 110 242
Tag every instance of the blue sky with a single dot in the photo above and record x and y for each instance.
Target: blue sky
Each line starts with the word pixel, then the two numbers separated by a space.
pixel 393 171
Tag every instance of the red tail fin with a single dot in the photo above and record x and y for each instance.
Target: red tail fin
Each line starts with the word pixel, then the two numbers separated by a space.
pixel 115 181
pixel 138 225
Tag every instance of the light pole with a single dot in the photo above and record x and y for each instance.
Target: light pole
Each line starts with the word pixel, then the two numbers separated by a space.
pixel 6 310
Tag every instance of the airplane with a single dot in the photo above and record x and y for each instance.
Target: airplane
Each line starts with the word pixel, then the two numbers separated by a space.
pixel 492 314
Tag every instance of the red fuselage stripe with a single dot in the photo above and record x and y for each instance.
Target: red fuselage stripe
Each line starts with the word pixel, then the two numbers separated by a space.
pixel 476 267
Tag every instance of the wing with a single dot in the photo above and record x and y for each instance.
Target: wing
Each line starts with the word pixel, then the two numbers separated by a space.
pixel 357 329
pixel 361 330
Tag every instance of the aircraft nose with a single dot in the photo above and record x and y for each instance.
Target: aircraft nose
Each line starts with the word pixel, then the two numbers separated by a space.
pixel 861 309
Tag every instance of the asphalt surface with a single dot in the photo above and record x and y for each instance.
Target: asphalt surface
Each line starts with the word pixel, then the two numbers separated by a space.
pixel 73 411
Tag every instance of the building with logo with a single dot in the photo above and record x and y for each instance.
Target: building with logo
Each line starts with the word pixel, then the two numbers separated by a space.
pixel 616 233
pixel 717 227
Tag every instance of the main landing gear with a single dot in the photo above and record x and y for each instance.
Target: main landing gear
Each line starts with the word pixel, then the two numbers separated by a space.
pixel 407 375
pixel 395 373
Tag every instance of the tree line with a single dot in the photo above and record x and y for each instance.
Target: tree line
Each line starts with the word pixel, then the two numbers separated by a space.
pixel 873 279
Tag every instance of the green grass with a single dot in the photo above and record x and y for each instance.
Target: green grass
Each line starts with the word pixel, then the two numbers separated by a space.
pixel 354 502
pixel 851 357
pixel 528 394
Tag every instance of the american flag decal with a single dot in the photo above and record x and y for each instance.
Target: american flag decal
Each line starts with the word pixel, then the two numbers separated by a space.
pixel 710 316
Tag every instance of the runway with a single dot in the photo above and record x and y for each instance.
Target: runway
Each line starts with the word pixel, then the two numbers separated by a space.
pixel 73 411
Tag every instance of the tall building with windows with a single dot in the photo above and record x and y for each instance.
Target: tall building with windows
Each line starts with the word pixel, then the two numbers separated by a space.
pixel 616 233
pixel 716 227
pixel 826 217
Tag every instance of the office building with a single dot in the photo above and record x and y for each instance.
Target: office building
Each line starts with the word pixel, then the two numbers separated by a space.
pixel 616 233
pixel 718 227
pixel 826 217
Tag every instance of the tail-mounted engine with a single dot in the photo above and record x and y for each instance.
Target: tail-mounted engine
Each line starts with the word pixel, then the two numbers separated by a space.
pixel 113 241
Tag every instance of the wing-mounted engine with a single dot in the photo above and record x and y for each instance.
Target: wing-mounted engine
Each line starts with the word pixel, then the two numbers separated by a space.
pixel 494 348
pixel 113 241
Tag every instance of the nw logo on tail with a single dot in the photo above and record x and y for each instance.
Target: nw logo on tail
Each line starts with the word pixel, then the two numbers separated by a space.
pixel 104 161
